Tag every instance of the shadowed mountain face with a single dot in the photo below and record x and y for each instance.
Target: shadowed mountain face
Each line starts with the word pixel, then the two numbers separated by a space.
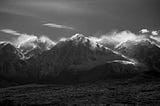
pixel 9 57
pixel 77 59
pixel 12 64
pixel 9 52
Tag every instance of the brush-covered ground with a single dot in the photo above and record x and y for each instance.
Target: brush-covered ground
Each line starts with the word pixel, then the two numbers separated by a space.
pixel 133 92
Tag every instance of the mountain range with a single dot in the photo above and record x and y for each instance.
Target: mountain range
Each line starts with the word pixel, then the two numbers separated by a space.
pixel 77 59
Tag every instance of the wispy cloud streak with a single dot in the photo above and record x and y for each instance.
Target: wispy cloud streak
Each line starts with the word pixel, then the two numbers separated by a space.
pixel 10 31
pixel 53 25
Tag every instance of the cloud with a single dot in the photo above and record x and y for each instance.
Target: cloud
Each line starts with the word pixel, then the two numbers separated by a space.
pixel 144 31
pixel 10 31
pixel 58 26
pixel 154 32
pixel 30 41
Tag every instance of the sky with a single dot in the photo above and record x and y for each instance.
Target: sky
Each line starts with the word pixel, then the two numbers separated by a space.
pixel 63 18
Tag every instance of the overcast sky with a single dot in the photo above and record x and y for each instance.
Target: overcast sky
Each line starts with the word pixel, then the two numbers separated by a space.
pixel 63 18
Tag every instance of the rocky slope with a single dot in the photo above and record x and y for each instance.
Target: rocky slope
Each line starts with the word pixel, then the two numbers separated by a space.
pixel 144 51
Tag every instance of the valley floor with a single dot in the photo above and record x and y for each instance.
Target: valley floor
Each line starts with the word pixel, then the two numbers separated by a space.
pixel 101 93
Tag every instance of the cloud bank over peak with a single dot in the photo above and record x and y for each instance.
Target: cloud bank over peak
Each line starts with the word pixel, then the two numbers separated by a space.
pixel 112 40
pixel 23 40
pixel 32 41
pixel 116 38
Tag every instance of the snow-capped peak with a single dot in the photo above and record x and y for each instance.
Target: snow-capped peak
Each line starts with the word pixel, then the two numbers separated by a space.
pixel 78 36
